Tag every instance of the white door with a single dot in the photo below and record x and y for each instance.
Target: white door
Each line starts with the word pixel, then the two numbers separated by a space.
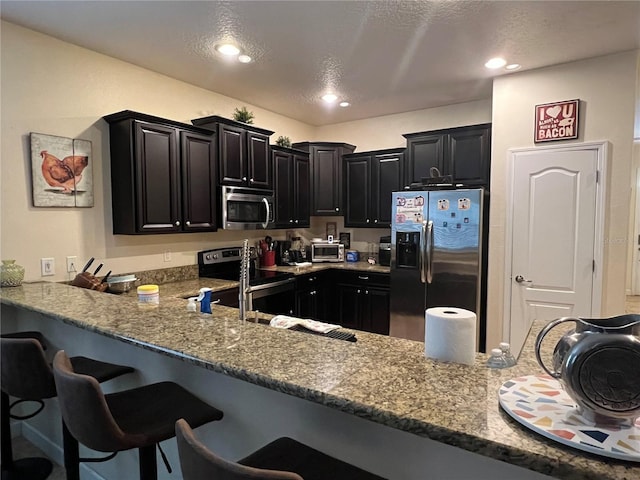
pixel 553 225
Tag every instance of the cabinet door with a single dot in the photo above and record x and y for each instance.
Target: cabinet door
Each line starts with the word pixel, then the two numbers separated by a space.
pixel 258 160
pixel 424 152
pixel 198 182
pixel 357 187
pixel 302 197
pixel 375 316
pixel 282 188
pixel 386 178
pixel 157 178
pixel 470 156
pixel 349 306
pixel 232 155
pixel 326 181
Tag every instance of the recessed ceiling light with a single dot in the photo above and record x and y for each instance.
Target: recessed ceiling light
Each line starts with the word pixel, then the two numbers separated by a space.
pixel 244 58
pixel 329 97
pixel 496 63
pixel 344 104
pixel 228 49
pixel 512 66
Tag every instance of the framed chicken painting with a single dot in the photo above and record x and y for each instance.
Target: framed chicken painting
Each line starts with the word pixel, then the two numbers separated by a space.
pixel 61 171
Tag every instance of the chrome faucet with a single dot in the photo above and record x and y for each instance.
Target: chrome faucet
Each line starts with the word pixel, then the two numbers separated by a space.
pixel 243 298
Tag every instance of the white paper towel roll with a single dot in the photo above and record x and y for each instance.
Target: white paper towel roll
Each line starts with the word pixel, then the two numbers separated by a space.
pixel 450 335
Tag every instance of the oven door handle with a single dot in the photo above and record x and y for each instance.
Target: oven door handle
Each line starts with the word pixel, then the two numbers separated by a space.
pixel 266 220
pixel 264 286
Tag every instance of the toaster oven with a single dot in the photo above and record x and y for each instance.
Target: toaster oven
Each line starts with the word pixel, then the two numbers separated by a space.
pixel 327 252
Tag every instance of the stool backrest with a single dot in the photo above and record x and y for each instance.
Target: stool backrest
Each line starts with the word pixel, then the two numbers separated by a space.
pixel 199 463
pixel 26 374
pixel 85 410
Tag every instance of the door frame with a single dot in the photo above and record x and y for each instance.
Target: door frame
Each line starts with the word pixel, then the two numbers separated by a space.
pixel 602 150
pixel 635 240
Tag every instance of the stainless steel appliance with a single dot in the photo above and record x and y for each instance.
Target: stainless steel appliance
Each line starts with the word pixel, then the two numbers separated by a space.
pixel 327 252
pixel 436 257
pixel 246 208
pixel 269 291
pixel 384 251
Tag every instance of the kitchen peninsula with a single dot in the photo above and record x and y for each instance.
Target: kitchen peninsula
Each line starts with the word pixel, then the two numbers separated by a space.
pixel 378 402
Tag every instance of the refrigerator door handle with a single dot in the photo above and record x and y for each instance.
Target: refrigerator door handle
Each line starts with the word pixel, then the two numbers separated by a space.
pixel 429 255
pixel 423 250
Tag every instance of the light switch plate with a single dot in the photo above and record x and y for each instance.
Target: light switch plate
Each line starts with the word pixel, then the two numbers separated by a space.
pixel 47 267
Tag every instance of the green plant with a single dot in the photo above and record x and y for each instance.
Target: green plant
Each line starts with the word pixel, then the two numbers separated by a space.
pixel 243 115
pixel 283 141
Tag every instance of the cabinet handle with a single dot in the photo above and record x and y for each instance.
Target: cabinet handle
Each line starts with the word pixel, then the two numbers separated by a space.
pixel 177 223
pixel 314 292
pixel 337 209
pixel 366 292
pixel 290 221
pixel 296 221
pixel 188 223
pixel 367 220
pixel 375 221
pixel 358 290
pixel 244 179
pixel 312 279
pixel 363 278
pixel 251 180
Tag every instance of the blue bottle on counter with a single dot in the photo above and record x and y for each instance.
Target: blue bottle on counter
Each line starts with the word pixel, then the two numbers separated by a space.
pixel 205 300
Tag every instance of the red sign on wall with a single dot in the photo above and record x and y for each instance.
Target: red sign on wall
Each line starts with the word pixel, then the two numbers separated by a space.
pixel 556 121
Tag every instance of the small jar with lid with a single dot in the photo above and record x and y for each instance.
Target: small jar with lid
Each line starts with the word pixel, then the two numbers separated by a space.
pixel 148 295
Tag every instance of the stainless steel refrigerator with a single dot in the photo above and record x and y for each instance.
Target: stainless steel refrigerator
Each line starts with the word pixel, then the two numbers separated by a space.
pixel 436 257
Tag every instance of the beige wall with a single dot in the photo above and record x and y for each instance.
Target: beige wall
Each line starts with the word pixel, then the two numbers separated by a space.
pixel 606 87
pixel 52 87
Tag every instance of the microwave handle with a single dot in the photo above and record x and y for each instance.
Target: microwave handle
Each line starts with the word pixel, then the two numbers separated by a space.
pixel 266 220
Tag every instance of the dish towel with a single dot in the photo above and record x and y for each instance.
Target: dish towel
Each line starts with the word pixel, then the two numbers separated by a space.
pixel 284 321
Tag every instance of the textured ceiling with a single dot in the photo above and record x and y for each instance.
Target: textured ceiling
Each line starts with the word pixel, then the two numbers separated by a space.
pixel 382 56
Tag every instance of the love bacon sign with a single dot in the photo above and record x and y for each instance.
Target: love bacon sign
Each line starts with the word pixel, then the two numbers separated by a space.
pixel 556 121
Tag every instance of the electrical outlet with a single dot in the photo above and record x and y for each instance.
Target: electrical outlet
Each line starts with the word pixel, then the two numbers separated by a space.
pixel 47 267
pixel 167 256
pixel 72 262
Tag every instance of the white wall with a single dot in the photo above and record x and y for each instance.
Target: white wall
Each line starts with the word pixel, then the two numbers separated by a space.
pixel 53 87
pixel 606 88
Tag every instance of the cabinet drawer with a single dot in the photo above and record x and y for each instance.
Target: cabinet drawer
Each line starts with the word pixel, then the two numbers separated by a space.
pixel 365 278
pixel 228 298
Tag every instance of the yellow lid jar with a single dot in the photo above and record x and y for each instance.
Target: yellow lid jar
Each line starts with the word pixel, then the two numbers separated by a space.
pixel 149 294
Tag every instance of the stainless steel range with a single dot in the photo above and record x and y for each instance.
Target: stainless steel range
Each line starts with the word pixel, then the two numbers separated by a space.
pixel 269 291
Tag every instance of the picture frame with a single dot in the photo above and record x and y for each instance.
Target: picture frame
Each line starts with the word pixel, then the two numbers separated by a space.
pixel 345 239
pixel 61 171
pixel 556 121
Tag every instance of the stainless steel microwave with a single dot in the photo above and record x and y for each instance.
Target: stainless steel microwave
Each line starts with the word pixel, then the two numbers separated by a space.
pixel 246 208
pixel 327 252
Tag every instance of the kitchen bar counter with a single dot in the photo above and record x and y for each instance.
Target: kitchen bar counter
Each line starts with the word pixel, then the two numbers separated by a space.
pixel 381 379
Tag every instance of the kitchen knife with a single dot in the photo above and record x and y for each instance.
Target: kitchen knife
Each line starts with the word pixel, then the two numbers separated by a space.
pixel 86 267
pixel 98 269
pixel 104 279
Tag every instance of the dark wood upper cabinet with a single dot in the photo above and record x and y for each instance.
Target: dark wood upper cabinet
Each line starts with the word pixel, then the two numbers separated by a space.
pixel 369 180
pixel 243 152
pixel 464 153
pixel 326 175
pixel 291 186
pixel 163 175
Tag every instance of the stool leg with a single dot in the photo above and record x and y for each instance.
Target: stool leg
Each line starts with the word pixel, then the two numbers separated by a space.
pixel 71 454
pixel 26 468
pixel 148 463
pixel 7 451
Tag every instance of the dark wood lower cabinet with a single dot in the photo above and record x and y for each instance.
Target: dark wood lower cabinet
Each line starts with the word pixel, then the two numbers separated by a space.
pixel 312 293
pixel 364 308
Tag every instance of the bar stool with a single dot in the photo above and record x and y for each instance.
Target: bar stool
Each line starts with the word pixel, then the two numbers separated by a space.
pixel 138 418
pixel 282 459
pixel 27 375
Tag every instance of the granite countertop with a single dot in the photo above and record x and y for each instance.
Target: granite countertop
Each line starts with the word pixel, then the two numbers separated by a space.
pixel 382 379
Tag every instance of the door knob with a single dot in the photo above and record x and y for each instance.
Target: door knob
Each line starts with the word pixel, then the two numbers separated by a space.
pixel 521 279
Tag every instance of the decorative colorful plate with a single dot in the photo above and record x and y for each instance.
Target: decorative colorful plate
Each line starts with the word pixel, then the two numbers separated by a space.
pixel 540 403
